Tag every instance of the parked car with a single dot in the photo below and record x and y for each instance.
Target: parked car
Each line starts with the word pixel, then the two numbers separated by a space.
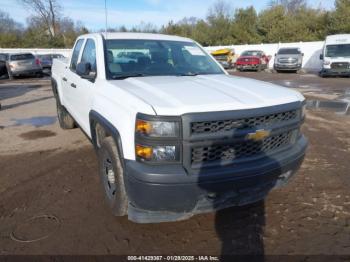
pixel 252 60
pixel 24 64
pixel 336 56
pixel 288 59
pixel 226 57
pixel 175 134
pixel 46 60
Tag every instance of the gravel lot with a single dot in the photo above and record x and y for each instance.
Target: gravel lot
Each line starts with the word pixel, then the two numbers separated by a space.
pixel 49 187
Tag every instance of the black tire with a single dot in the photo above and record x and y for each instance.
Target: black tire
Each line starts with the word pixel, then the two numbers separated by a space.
pixel 321 74
pixel 112 177
pixel 39 75
pixel 65 120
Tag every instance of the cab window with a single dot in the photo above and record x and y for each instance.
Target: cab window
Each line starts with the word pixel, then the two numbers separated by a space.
pixel 75 54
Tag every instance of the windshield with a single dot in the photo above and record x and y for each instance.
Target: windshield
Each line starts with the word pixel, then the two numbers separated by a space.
pixel 338 50
pixel 289 51
pixel 156 57
pixel 252 53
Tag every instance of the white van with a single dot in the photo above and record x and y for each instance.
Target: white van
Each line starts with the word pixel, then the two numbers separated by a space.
pixel 336 56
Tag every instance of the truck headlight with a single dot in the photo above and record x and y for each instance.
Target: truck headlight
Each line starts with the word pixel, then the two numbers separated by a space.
pixel 156 153
pixel 158 139
pixel 157 128
pixel 326 63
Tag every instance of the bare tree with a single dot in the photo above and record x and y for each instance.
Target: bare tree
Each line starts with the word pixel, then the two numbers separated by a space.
pixel 220 9
pixel 48 11
pixel 291 6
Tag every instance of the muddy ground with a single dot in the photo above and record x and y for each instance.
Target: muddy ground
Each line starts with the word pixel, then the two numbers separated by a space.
pixel 50 190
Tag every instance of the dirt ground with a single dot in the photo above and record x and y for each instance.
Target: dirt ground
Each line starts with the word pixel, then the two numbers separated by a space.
pixel 50 190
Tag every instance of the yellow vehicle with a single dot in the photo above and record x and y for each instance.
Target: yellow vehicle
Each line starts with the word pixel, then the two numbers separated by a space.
pixel 226 57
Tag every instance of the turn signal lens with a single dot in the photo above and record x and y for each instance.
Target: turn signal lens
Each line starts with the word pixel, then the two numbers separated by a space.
pixel 143 126
pixel 144 152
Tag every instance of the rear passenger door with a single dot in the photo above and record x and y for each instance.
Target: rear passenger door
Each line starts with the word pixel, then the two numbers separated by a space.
pixel 69 77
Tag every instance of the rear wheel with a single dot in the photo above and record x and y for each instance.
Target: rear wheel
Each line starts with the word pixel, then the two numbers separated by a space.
pixel 64 118
pixel 39 74
pixel 112 176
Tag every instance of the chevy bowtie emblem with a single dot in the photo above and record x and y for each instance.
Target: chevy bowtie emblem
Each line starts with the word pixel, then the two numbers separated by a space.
pixel 258 135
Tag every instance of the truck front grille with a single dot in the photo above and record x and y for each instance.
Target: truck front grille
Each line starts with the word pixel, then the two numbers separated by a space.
pixel 243 149
pixel 287 60
pixel 339 65
pixel 207 127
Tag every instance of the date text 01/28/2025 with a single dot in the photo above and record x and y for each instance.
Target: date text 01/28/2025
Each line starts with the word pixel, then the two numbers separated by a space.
pixel 173 258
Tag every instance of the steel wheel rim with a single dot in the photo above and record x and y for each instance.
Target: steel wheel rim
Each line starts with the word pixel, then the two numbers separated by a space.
pixel 109 177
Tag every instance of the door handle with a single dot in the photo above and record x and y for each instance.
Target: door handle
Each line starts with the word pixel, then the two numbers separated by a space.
pixel 64 79
pixel 73 85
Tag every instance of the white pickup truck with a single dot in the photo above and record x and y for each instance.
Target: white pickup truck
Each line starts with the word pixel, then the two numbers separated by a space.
pixel 175 134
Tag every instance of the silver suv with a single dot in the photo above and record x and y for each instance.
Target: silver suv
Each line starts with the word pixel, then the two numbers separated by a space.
pixel 24 64
pixel 288 59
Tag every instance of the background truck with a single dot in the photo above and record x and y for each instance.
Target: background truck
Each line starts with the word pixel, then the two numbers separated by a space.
pixel 288 59
pixel 175 135
pixel 336 56
pixel 252 60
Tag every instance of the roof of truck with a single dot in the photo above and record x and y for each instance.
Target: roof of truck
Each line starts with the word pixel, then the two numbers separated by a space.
pixel 144 36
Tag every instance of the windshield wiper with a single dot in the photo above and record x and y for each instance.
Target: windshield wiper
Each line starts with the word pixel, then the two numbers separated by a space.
pixel 121 77
pixel 187 74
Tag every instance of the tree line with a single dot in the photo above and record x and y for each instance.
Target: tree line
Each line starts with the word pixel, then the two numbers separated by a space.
pixel 280 21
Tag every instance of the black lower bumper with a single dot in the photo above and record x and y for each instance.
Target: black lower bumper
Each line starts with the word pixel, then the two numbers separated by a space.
pixel 335 72
pixel 169 193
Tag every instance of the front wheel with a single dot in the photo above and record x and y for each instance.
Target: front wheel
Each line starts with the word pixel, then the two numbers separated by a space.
pixel 112 176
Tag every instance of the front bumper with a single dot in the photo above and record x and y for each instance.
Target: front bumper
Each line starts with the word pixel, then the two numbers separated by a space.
pixel 169 193
pixel 19 72
pixel 248 66
pixel 287 67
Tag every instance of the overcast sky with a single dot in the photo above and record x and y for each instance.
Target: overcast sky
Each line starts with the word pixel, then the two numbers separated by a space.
pixel 133 12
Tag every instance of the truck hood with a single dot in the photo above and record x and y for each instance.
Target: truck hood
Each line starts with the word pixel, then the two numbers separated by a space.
pixel 173 95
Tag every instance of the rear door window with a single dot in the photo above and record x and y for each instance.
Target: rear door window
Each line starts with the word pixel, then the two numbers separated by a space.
pixel 75 55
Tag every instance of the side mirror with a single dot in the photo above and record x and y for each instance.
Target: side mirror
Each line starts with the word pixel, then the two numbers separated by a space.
pixel 275 54
pixel 321 57
pixel 302 54
pixel 84 71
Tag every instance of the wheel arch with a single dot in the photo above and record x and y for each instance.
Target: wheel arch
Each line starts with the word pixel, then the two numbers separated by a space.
pixel 97 120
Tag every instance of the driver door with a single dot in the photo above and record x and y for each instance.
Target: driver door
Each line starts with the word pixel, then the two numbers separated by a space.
pixel 82 88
